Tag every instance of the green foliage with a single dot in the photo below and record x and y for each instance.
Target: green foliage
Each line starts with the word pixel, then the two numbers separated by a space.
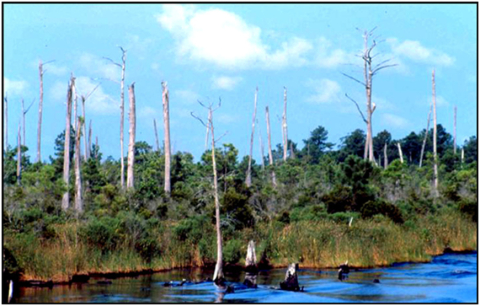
pixel 232 251
pixel 372 208
pixel 103 233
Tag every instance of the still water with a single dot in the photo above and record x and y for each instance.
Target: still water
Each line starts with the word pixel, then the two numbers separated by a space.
pixel 449 278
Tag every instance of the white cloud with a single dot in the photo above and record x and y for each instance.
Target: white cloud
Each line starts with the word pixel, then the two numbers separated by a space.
pixel 148 112
pixel 51 68
pixel 414 51
pixel 327 58
pixel 100 67
pixel 98 102
pixel 11 87
pixel 395 121
pixel 184 96
pixel 225 118
pixel 225 82
pixel 325 91
pixel 224 39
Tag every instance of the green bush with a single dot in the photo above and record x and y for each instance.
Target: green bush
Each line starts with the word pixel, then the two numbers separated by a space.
pixel 469 208
pixel 232 252
pixel 103 233
pixel 372 208
pixel 338 200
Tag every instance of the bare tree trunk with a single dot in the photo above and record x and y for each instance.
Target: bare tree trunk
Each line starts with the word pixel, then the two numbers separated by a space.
pixel 156 135
pixel 78 178
pixel 40 108
pixel 122 115
pixel 385 156
pixel 463 155
pixel 89 139
pixel 248 180
pixel 85 140
pixel 455 130
pixel 166 123
pixel 6 124
pixel 23 121
pixel 284 124
pixel 96 147
pixel 400 152
pixel 425 138
pixel 262 152
pixel 292 152
pixel 218 274
pixel 19 156
pixel 74 97
pixel 131 143
pixel 435 167
pixel 206 136
pixel 270 156
pixel 66 148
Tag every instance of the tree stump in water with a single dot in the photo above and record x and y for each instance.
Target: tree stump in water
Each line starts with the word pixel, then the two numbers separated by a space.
pixel 251 268
pixel 291 279
pixel 343 271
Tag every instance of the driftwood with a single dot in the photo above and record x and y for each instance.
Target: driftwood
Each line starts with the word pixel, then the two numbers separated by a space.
pixel 291 279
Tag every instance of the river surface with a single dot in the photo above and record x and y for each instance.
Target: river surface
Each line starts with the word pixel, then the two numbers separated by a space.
pixel 449 278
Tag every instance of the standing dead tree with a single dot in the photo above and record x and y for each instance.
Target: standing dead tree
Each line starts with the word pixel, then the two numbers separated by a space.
pixel 19 156
pixel 400 152
pixel 78 177
pixel 122 113
pixel 89 138
pixel 218 276
pixel 86 145
pixel 425 138
pixel 385 156
pixel 66 148
pixel 435 166
pixel 262 153
pixel 166 124
pixel 24 112
pixel 6 123
pixel 284 125
pixel 369 70
pixel 40 110
pixel 270 155
pixel 455 130
pixel 131 142
pixel 248 180
pixel 156 135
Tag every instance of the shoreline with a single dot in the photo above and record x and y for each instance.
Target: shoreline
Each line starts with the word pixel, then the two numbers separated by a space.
pixel 84 277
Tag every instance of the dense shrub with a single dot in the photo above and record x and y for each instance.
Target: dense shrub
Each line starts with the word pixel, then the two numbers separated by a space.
pixel 372 208
pixel 232 252
pixel 469 208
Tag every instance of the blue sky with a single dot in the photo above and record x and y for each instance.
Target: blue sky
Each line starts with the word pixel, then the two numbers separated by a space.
pixel 207 51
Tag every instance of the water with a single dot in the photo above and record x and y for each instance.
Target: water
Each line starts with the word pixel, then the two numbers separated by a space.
pixel 449 278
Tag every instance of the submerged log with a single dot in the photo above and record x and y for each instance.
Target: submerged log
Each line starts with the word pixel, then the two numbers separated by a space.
pixel 291 279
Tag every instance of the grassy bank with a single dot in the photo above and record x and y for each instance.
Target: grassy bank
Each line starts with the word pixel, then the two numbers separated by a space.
pixel 73 248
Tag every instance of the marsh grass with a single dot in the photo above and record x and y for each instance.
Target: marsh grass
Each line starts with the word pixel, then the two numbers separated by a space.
pixel 315 244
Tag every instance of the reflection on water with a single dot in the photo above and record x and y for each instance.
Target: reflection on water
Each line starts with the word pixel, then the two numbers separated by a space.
pixel 450 278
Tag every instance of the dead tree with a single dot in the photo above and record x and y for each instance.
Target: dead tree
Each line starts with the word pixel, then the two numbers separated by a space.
pixel 89 138
pixel 369 70
pixel 166 124
pixel 24 112
pixel 40 110
pixel 78 177
pixel 455 130
pixel 248 180
pixel 425 138
pixel 400 152
pixel 251 269
pixel 156 135
pixel 284 125
pixel 291 279
pixel 218 276
pixel 6 123
pixel 122 113
pixel 262 153
pixel 385 156
pixel 66 148
pixel 131 142
pixel 435 167
pixel 96 147
pixel 19 156
pixel 270 155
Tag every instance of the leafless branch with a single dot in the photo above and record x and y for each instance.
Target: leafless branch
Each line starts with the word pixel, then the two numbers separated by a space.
pixel 198 118
pixel 218 139
pixel 350 77
pixel 93 90
pixel 113 62
pixel 359 110
pixel 29 106
pixel 382 67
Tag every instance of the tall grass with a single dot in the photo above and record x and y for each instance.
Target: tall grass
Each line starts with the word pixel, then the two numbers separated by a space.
pixel 315 244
